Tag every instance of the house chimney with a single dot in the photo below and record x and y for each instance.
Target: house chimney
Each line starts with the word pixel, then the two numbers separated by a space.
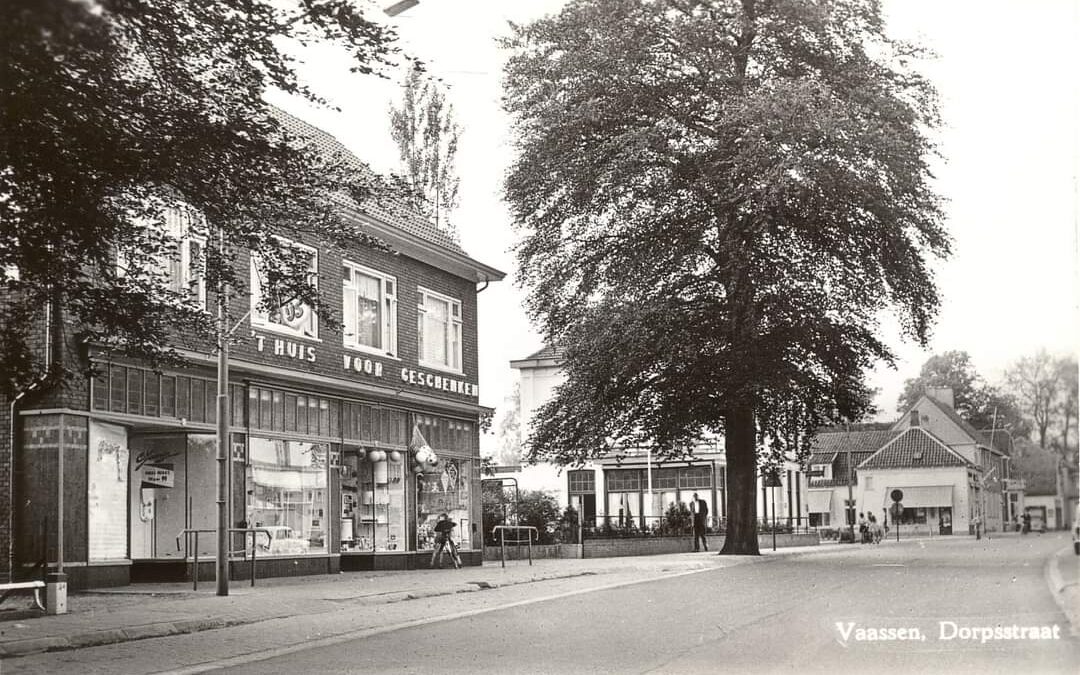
pixel 941 395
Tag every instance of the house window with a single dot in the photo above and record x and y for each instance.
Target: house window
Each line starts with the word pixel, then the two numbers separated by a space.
pixel 185 264
pixel 869 482
pixel 439 331
pixel 285 315
pixel 369 308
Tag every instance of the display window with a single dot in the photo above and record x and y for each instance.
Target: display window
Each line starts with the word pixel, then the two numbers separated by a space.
pixel 287 494
pixel 444 489
pixel 373 501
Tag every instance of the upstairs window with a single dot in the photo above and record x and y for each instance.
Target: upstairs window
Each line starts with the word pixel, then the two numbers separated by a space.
pixel 185 264
pixel 286 315
pixel 439 331
pixel 179 258
pixel 369 309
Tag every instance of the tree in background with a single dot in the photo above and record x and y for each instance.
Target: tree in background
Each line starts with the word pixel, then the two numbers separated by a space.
pixel 981 405
pixel 116 112
pixel 508 435
pixel 426 134
pixel 539 509
pixel 717 199
pixel 1038 383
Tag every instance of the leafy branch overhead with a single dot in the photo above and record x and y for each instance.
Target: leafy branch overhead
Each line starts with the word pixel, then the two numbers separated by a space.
pixel 716 201
pixel 115 113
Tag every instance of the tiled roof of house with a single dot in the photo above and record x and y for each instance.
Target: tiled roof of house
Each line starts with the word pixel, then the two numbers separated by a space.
pixel 547 352
pixel 831 447
pixel 396 213
pixel 915 448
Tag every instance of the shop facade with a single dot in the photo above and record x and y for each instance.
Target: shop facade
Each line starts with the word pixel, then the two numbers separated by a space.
pixel 116 474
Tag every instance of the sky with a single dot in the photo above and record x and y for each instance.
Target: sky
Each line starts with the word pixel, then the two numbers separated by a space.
pixel 1006 72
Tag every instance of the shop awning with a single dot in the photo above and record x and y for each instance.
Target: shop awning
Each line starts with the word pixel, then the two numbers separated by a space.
pixel 922 496
pixel 819 501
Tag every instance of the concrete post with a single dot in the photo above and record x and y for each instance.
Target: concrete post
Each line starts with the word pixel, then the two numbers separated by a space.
pixel 56 593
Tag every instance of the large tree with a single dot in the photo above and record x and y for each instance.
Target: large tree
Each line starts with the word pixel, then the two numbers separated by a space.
pixel 717 200
pixel 116 112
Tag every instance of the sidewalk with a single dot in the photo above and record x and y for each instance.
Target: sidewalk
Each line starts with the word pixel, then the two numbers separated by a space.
pixel 140 611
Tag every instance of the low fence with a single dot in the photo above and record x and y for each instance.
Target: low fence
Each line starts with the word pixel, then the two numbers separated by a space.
pixel 637 527
pixel 611 547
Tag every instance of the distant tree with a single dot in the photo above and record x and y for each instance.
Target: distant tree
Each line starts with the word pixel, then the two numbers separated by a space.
pixel 1065 408
pixel 978 403
pixel 426 133
pixel 116 113
pixel 717 199
pixel 1036 382
pixel 952 369
pixel 508 436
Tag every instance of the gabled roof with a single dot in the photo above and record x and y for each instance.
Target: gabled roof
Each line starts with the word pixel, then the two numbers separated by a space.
pixel 392 219
pixel 914 449
pixel 831 447
pixel 976 436
pixel 546 357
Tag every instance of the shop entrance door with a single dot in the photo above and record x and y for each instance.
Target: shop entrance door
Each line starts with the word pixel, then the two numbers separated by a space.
pixel 945 522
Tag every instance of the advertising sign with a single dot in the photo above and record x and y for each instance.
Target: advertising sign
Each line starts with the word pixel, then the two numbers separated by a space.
pixel 158 476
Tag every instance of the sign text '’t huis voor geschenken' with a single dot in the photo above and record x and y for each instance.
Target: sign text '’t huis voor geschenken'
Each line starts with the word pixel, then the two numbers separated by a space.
pixel 359 364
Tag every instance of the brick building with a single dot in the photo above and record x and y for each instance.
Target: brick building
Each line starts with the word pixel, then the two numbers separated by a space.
pixel 322 421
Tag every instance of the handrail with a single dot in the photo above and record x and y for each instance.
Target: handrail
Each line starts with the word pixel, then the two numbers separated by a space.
pixel 502 539
pixel 188 531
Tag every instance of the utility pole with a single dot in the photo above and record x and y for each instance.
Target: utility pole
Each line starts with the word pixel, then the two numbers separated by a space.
pixel 849 514
pixel 224 458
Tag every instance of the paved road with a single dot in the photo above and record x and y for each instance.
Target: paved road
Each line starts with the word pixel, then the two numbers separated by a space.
pixel 800 614
pixel 788 612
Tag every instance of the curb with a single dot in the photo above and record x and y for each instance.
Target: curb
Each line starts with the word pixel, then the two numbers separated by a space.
pixel 1060 590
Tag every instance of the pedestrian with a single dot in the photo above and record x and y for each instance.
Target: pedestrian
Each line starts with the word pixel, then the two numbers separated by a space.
pixel 863 529
pixel 444 529
pixel 701 513
pixel 1027 524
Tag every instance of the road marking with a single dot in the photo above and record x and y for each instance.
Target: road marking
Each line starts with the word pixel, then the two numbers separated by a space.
pixel 379 630
pixel 888 565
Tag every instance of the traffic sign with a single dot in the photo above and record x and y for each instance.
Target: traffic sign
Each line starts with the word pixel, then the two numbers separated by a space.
pixel 897 495
pixel 897 510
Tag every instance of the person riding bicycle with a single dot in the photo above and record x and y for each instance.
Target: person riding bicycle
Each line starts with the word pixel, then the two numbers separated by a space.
pixel 444 529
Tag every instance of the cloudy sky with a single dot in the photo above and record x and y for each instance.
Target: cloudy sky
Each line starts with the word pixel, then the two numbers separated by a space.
pixel 1008 80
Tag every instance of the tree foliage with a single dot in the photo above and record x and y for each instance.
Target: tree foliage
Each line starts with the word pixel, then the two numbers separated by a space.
pixel 115 110
pixel 1044 386
pixel 717 199
pixel 978 403
pixel 426 134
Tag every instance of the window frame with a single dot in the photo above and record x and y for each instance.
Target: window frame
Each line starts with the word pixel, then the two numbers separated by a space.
pixel 261 318
pixel 453 322
pixel 388 302
pixel 184 219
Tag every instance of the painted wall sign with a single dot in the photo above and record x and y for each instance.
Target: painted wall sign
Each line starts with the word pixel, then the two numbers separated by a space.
pixel 283 347
pixel 357 364
pixel 439 382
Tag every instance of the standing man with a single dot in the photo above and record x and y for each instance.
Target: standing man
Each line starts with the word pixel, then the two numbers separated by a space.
pixel 701 512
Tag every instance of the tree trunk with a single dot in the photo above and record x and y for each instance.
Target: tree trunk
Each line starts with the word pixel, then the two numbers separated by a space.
pixel 741 451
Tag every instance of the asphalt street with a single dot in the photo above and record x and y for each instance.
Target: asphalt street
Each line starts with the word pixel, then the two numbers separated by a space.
pixel 796 614
pixel 842 610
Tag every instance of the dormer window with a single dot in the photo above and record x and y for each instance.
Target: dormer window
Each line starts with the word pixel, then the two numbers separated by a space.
pixel 914 415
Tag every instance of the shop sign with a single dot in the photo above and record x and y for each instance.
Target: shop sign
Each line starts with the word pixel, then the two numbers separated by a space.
pixel 158 476
pixel 282 347
pixel 357 364
pixel 432 381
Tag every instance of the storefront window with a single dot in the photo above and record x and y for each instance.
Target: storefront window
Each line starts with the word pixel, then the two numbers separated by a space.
pixel 372 504
pixel 107 489
pixel 287 494
pixel 443 490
